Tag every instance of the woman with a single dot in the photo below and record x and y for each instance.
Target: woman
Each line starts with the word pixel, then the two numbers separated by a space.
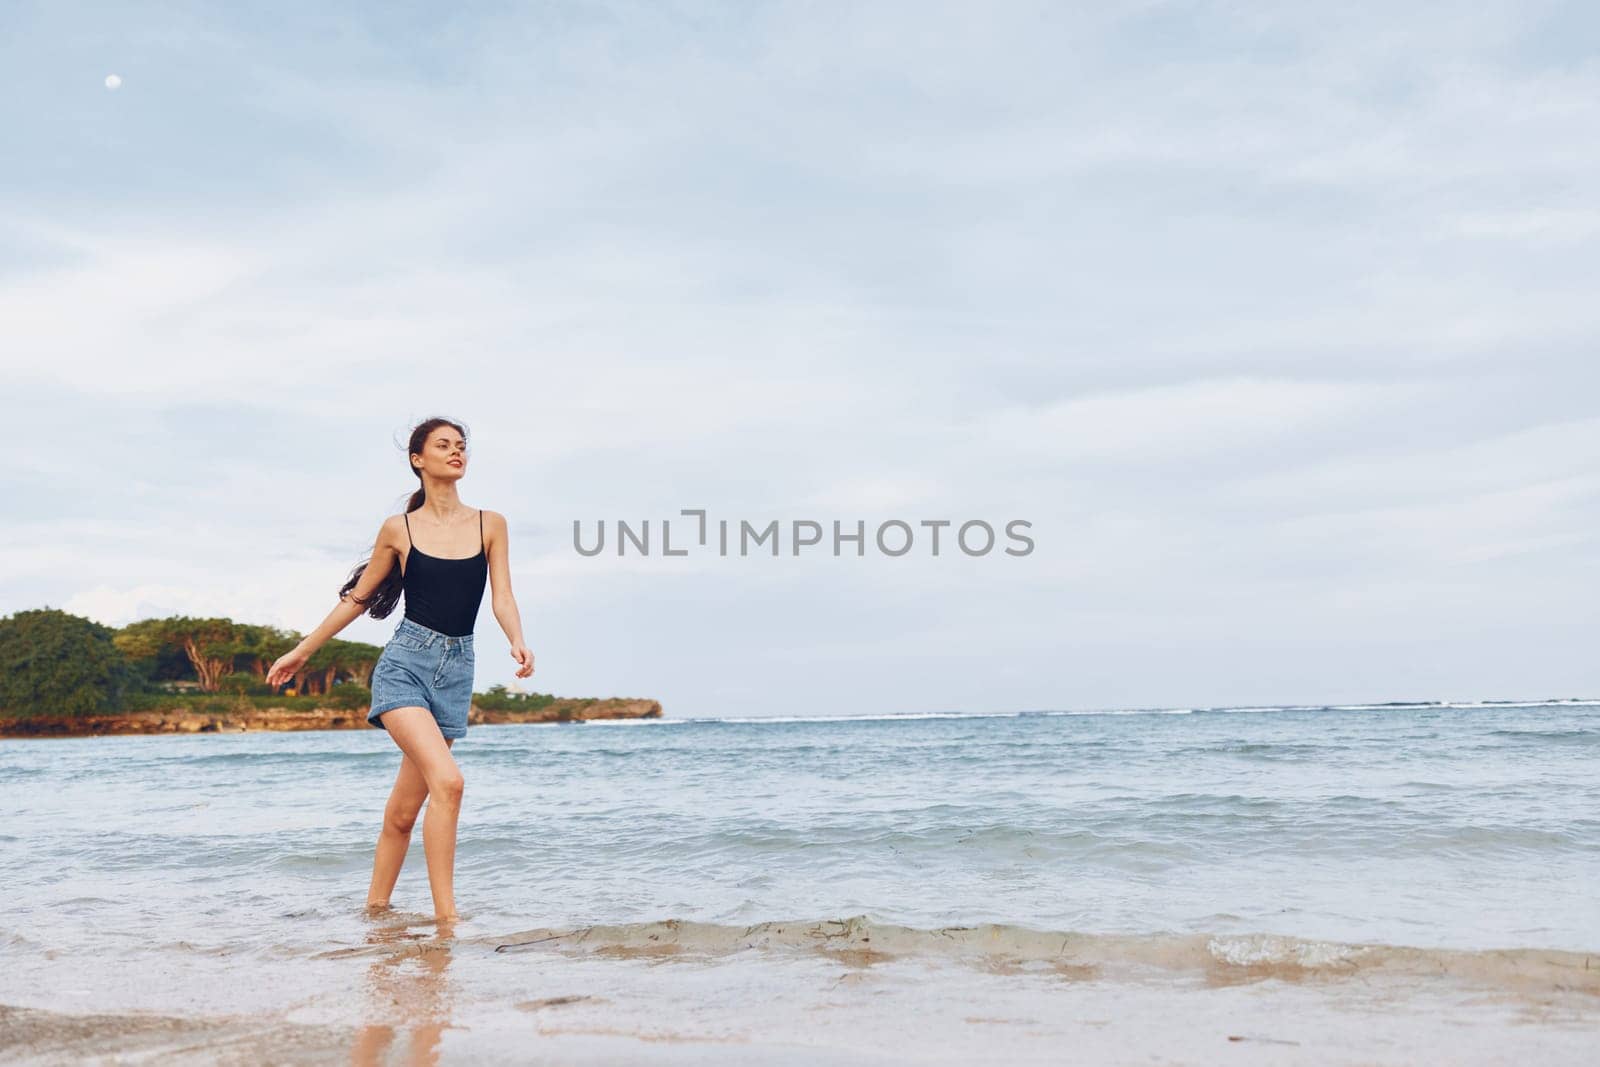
pixel 422 683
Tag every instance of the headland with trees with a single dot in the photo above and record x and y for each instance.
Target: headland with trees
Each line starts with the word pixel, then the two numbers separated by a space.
pixel 66 675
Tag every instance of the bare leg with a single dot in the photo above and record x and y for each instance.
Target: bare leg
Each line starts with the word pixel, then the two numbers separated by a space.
pixel 399 816
pixel 418 736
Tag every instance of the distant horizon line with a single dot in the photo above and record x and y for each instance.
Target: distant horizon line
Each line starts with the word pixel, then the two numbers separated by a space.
pixel 1051 712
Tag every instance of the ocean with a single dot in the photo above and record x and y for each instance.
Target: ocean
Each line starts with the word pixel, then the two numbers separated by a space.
pixel 724 876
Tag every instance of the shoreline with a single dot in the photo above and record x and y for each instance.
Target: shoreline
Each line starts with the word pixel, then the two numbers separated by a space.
pixel 846 991
pixel 254 720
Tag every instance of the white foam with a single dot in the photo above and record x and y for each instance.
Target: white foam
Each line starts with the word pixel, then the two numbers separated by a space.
pixel 1246 950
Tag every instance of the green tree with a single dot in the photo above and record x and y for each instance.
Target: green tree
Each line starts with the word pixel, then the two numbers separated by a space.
pixel 355 660
pixel 210 644
pixel 262 645
pixel 352 660
pixel 54 663
pixel 310 679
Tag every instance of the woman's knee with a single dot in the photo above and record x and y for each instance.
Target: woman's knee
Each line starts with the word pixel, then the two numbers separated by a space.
pixel 447 787
pixel 401 817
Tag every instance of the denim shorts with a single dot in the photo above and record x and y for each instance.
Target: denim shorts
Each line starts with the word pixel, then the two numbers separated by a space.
pixel 423 668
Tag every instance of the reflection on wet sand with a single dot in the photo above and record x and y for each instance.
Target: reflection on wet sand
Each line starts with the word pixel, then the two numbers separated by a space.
pixel 408 991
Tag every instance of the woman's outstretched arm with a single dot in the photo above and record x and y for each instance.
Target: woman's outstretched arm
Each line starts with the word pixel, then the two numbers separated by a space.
pixel 385 557
pixel 502 601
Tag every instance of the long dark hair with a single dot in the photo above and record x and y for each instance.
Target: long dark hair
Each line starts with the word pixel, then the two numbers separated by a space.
pixel 384 598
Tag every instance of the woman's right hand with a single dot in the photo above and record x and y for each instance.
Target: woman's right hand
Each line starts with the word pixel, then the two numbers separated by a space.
pixel 288 665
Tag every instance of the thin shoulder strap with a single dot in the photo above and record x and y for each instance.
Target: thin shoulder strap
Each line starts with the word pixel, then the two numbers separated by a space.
pixel 481 546
pixel 407 517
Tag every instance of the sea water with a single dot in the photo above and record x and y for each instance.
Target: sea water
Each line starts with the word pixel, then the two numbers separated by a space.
pixel 141 873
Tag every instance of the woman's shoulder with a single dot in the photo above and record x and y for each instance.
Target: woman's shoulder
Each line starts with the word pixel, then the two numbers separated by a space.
pixel 494 523
pixel 394 526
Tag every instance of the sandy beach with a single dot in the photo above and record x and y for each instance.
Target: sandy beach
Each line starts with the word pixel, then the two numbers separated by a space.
pixel 845 992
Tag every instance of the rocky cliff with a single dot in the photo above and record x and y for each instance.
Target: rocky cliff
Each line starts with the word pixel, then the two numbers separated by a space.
pixel 185 721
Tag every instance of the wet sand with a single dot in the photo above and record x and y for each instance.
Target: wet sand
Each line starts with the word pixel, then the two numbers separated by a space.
pixel 846 991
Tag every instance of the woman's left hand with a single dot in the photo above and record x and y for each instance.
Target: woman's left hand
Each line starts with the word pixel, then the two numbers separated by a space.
pixel 287 666
pixel 523 657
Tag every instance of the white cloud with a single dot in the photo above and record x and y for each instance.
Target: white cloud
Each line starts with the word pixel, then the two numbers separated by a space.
pixel 1184 420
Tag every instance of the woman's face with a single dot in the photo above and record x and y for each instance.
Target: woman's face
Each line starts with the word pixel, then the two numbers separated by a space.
pixel 444 454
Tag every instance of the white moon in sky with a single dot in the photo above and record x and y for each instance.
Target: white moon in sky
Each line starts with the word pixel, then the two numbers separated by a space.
pixel 113 81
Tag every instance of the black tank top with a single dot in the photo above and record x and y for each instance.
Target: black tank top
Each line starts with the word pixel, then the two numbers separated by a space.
pixel 444 594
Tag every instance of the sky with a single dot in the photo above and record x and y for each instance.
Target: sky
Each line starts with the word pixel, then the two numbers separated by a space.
pixel 1275 322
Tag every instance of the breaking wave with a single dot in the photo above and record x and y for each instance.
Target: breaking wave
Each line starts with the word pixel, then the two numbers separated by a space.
pixel 1218 958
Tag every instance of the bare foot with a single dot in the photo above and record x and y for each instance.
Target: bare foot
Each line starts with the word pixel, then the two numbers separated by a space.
pixel 377 905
